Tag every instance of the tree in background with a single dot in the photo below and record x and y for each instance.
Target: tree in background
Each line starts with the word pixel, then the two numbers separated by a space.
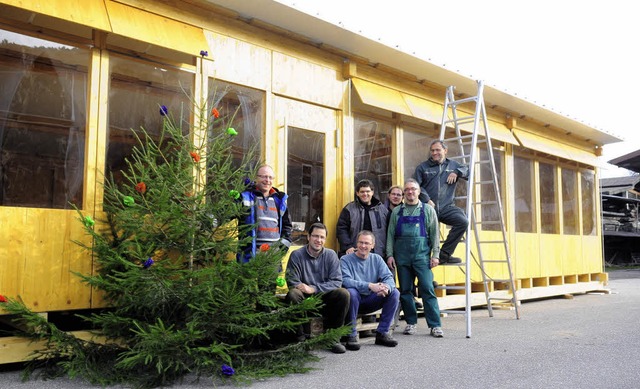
pixel 165 254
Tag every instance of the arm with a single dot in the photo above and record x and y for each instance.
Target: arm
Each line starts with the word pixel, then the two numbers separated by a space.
pixel 342 230
pixel 294 272
pixel 287 227
pixel 384 275
pixel 391 233
pixel 433 230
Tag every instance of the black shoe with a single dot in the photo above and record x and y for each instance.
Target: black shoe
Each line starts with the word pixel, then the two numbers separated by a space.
pixel 385 340
pixel 419 305
pixel 367 334
pixel 353 344
pixel 446 260
pixel 338 348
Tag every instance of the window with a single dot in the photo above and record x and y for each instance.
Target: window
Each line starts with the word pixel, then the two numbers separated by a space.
pixel 587 186
pixel 137 90
pixel 491 212
pixel 243 109
pixel 570 201
pixel 416 148
pixel 372 153
pixel 43 92
pixel 548 202
pixel 524 194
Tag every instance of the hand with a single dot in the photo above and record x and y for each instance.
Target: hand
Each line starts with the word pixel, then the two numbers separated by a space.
pixel 379 289
pixel 431 203
pixel 434 262
pixel 452 178
pixel 351 250
pixel 306 289
pixel 391 263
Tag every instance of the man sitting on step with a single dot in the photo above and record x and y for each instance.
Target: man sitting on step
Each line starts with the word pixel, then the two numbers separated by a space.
pixel 371 287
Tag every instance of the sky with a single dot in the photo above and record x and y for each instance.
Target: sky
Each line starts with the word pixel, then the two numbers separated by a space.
pixel 578 58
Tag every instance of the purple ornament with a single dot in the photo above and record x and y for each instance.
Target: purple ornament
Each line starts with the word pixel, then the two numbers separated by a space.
pixel 164 111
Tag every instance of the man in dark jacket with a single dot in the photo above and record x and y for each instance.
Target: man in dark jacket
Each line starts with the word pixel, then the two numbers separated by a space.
pixel 437 178
pixel 364 213
pixel 267 207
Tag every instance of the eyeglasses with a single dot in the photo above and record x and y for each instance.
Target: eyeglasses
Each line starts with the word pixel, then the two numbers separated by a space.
pixel 410 189
pixel 265 177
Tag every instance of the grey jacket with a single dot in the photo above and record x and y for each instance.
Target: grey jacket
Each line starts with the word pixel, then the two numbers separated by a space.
pixel 432 178
pixel 351 221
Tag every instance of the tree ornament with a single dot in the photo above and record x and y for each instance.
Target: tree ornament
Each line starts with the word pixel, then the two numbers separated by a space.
pixel 280 281
pixel 234 194
pixel 128 201
pixel 141 187
pixel 232 131
pixel 88 221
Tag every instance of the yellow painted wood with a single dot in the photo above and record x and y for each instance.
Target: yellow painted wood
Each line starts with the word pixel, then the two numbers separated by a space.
pixel 379 96
pixel 238 61
pixel 551 255
pixel 526 255
pixel 297 78
pixel 39 256
pixel 571 254
pixel 155 29
pixel 90 13
pixel 554 147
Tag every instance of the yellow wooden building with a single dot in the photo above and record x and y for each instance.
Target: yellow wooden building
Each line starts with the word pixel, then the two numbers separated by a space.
pixel 327 107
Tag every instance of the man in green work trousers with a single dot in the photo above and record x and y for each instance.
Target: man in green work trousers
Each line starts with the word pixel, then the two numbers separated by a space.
pixel 413 247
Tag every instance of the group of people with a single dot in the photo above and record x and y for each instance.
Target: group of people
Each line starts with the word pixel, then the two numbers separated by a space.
pixel 376 240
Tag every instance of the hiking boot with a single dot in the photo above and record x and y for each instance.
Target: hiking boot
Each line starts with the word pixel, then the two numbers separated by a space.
pixel 437 332
pixel 353 344
pixel 410 329
pixel 385 340
pixel 338 348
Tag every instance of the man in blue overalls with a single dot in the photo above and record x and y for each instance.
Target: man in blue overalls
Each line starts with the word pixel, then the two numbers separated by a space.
pixel 413 248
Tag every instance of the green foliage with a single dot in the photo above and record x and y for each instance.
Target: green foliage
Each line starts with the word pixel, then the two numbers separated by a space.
pixel 194 308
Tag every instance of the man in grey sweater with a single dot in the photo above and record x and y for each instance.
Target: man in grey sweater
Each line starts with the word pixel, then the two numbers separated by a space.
pixel 315 270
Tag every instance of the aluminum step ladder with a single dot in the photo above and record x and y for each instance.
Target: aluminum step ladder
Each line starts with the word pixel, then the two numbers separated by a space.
pixel 478 141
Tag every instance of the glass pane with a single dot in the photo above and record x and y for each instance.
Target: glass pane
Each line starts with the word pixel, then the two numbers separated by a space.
pixel 524 195
pixel 490 212
pixel 243 109
pixel 137 90
pixel 43 91
pixel 570 201
pixel 373 153
pixel 305 180
pixel 587 182
pixel 548 204
pixel 416 148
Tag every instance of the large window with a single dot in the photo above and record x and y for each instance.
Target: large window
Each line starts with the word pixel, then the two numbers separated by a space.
pixel 43 92
pixel 587 186
pixel 136 93
pixel 548 198
pixel 570 211
pixel 372 153
pixel 243 109
pixel 524 194
pixel 416 148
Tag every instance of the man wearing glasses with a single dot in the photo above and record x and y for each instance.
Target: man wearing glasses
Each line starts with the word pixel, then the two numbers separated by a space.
pixel 413 248
pixel 315 270
pixel 267 209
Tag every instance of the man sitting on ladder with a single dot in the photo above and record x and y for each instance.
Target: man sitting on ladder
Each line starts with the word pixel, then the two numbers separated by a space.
pixel 438 177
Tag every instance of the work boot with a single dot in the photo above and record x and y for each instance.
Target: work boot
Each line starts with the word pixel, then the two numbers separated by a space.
pixel 338 348
pixel 447 259
pixel 385 340
pixel 353 344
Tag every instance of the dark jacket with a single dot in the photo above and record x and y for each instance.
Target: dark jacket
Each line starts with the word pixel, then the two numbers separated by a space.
pixel 432 178
pixel 248 199
pixel 351 222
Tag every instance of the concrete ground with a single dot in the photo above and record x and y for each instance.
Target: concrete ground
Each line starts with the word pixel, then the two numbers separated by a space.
pixel 589 341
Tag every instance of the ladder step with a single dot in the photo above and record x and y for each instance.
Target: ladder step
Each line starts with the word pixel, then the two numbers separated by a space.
pixel 491 241
pixel 489 222
pixel 463 101
pixel 461 137
pixel 452 287
pixel 461 120
pixel 460 156
pixel 452 311
pixel 485 182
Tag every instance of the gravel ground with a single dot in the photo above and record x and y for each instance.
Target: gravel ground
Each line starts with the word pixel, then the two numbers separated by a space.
pixel 589 341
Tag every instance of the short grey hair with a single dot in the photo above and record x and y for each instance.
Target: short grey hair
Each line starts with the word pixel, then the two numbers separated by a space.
pixel 433 142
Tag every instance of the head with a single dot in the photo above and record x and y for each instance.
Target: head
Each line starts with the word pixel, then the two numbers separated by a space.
pixel 438 150
pixel 365 243
pixel 395 196
pixel 411 191
pixel 317 237
pixel 264 179
pixel 364 191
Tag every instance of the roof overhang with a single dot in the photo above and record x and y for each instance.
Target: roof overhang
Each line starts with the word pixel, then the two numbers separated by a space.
pixel 629 161
pixel 323 32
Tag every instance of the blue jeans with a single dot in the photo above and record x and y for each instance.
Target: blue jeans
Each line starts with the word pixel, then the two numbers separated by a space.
pixel 371 303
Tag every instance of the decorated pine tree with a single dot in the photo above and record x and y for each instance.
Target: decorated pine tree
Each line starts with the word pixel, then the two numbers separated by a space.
pixel 178 301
